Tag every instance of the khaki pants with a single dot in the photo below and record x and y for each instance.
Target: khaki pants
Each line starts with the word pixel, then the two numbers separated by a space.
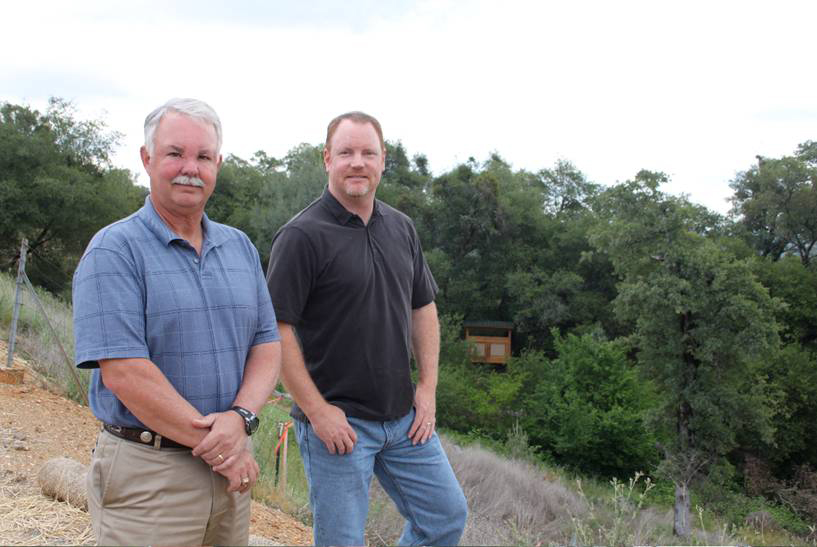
pixel 138 495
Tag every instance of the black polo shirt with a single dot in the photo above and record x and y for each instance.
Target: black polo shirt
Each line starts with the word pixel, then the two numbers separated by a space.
pixel 349 288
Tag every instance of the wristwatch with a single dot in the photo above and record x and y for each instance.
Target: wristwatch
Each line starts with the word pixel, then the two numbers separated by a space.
pixel 250 419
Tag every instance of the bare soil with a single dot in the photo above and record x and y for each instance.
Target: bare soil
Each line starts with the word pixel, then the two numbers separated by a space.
pixel 37 425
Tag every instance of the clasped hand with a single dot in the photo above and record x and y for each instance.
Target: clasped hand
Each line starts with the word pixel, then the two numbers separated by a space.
pixel 224 448
pixel 225 440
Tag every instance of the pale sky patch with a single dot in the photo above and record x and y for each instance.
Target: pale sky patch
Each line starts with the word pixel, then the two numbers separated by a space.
pixel 695 89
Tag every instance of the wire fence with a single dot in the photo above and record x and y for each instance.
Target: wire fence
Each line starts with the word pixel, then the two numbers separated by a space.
pixel 23 284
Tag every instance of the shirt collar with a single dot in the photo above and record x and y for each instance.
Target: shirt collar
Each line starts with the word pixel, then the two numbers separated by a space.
pixel 341 214
pixel 212 233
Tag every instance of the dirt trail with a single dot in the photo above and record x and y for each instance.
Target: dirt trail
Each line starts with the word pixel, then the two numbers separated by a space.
pixel 37 425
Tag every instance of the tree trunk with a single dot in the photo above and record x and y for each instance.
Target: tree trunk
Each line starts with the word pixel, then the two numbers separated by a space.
pixel 681 525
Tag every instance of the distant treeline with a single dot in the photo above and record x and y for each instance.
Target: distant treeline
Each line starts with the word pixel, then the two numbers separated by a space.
pixel 649 333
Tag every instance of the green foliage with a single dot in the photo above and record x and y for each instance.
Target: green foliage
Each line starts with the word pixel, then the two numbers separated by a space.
pixel 544 299
pixel 621 524
pixel 566 189
pixel 517 446
pixel 777 201
pixel 261 195
pixel 56 188
pixel 487 222
pixel 296 498
pixel 733 507
pixel 235 200
pixel 787 280
pixel 404 183
pixel 473 397
pixel 587 408
pixel 453 349
pixel 702 324
pixel 793 373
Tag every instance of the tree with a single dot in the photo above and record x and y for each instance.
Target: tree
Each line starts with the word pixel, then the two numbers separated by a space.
pixel 566 188
pixel 484 222
pixel 404 184
pixel 262 194
pixel 793 375
pixel 777 202
pixel 702 326
pixel 57 188
pixel 566 285
pixel 587 408
pixel 796 286
pixel 239 195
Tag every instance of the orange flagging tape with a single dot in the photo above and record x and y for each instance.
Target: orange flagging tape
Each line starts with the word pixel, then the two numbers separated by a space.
pixel 283 436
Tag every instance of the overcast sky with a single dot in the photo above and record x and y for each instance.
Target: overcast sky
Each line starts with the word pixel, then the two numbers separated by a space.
pixel 694 89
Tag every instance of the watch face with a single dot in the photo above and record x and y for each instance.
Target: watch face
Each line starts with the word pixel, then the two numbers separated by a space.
pixel 250 419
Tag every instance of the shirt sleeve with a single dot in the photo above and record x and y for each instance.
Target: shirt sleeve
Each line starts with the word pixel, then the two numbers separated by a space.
pixel 109 309
pixel 290 273
pixel 424 288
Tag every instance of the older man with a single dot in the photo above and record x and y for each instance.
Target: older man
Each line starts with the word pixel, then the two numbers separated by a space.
pixel 354 297
pixel 173 313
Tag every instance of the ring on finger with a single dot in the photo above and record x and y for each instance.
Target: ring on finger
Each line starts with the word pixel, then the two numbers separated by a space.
pixel 220 458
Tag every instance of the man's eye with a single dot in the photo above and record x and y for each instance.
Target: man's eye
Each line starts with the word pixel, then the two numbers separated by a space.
pixel 204 157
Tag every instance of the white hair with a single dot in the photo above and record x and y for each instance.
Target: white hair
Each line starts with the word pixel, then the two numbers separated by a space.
pixel 189 107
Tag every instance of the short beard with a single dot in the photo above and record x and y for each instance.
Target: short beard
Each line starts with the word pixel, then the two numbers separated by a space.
pixel 357 192
pixel 184 180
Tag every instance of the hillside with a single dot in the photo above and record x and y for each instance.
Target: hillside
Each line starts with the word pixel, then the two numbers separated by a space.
pixel 37 425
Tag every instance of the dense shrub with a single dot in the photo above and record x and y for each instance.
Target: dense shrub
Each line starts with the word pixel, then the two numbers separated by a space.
pixel 587 409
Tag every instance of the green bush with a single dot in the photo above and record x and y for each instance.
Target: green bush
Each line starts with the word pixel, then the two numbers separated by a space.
pixel 587 409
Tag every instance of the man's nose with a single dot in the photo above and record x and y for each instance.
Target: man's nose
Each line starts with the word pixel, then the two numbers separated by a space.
pixel 190 167
pixel 357 160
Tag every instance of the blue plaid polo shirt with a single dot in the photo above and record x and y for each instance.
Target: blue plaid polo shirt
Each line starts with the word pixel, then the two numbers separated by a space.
pixel 141 291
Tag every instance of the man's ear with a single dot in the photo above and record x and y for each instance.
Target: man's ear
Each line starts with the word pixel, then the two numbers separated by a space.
pixel 143 152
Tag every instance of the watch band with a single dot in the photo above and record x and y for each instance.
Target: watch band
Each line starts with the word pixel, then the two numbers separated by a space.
pixel 250 419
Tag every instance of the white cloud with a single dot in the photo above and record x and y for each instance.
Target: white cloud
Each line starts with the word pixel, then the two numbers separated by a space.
pixel 694 89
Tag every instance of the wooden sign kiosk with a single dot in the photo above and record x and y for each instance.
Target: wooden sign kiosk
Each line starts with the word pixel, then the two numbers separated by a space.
pixel 490 341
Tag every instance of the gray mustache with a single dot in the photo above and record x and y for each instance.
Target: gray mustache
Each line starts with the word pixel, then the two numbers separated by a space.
pixel 188 181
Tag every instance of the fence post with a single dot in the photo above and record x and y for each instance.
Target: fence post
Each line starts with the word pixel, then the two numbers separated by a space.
pixel 18 300
pixel 282 483
pixel 280 430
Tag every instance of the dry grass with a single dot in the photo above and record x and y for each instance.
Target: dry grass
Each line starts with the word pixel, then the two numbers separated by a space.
pixel 29 518
pixel 513 502
pixel 38 342
pixel 510 502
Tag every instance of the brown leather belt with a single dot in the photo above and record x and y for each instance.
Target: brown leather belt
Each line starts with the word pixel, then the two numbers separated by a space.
pixel 142 436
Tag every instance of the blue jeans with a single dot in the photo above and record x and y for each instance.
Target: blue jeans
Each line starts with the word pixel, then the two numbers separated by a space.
pixel 418 479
